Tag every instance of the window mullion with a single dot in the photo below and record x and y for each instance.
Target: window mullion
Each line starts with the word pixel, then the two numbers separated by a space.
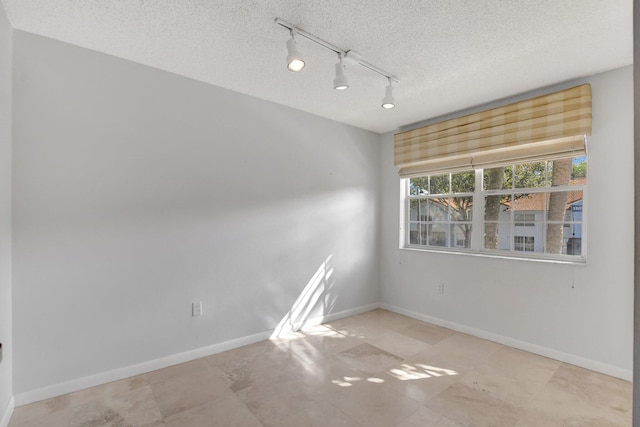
pixel 477 225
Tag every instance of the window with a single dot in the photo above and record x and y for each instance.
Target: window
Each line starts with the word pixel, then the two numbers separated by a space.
pixel 524 243
pixel 525 219
pixel 534 208
pixel 476 182
pixel 440 210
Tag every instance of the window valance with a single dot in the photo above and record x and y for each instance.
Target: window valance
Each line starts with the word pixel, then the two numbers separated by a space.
pixel 543 128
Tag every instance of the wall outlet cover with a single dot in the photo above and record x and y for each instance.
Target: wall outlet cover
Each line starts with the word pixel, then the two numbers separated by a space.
pixel 196 308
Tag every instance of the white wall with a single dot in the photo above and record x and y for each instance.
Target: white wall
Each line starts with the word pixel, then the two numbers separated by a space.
pixel 6 393
pixel 580 313
pixel 137 192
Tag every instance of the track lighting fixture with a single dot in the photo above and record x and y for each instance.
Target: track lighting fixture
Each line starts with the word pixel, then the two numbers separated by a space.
pixel 388 102
pixel 347 57
pixel 340 82
pixel 294 59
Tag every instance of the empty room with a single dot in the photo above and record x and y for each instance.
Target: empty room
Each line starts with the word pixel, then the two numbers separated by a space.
pixel 284 213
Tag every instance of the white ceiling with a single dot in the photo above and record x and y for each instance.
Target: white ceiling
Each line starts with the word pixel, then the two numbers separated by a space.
pixel 449 55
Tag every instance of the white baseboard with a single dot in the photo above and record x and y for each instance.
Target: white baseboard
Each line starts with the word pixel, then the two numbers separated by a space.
pixel 593 365
pixel 132 370
pixel 59 389
pixel 6 415
pixel 163 362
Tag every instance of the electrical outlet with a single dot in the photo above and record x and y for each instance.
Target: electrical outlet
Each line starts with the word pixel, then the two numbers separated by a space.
pixel 196 309
pixel 441 288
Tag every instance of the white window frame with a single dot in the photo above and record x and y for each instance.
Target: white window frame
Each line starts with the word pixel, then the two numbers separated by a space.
pixel 477 231
pixel 449 222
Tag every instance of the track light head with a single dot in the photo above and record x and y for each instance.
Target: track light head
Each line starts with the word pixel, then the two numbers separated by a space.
pixel 295 62
pixel 388 102
pixel 294 58
pixel 340 82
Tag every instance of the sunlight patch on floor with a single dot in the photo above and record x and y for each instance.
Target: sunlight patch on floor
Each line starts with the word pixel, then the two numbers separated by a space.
pixel 349 381
pixel 419 371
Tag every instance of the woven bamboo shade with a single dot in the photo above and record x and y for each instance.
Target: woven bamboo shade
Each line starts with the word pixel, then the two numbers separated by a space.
pixel 547 127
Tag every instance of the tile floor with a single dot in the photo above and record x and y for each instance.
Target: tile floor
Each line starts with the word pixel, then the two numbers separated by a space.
pixel 373 369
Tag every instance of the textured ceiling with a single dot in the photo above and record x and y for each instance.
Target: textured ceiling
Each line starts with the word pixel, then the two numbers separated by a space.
pixel 449 55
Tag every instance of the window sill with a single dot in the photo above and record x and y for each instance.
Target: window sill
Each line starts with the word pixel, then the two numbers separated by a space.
pixel 581 261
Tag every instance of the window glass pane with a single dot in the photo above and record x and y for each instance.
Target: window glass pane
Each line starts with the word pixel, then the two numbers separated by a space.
pixel 572 244
pixel 499 178
pixel 463 182
pixel 439 184
pixel 424 210
pixel 495 208
pixel 564 206
pixel 497 235
pixel 462 235
pixel 531 175
pixel 438 210
pixel 413 210
pixel 461 208
pixel 438 234
pixel 560 172
pixel 579 171
pixel 564 238
pixel 413 233
pixel 524 203
pixel 419 186
pixel 555 238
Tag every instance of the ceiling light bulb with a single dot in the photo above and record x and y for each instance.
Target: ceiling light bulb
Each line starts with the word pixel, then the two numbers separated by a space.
pixel 294 59
pixel 388 102
pixel 340 82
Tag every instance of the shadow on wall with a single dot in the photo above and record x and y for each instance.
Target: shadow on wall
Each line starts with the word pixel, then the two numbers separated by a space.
pixel 314 302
